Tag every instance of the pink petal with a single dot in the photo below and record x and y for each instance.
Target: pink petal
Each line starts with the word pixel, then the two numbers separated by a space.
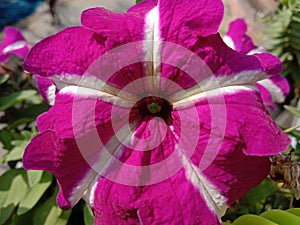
pixel 61 117
pixel 182 20
pixel 276 88
pixel 71 51
pixel 13 43
pixel 126 27
pixel 270 63
pixel 235 141
pixel 282 83
pixel 143 7
pixel 237 32
pixel 46 88
pixel 266 96
pixel 48 59
pixel 64 160
pixel 58 149
pixel 151 204
pixel 210 58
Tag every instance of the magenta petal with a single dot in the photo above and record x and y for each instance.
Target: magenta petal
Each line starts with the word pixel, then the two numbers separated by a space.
pixel 46 88
pixel 237 32
pixel 61 117
pixel 143 7
pixel 64 160
pixel 151 204
pixel 258 131
pixel 212 49
pixel 126 27
pixel 215 59
pixel 270 63
pixel 276 88
pixel 76 52
pixel 46 152
pixel 13 43
pixel 238 174
pixel 266 96
pixel 273 90
pixel 233 148
pixel 71 51
pixel 41 158
pixel 181 19
pixel 243 44
pixel 281 83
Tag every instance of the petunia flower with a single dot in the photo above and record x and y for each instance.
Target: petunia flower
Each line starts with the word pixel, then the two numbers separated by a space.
pixel 274 89
pixel 156 120
pixel 13 43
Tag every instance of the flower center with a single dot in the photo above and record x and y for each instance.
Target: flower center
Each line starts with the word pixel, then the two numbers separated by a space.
pixel 154 108
pixel 151 106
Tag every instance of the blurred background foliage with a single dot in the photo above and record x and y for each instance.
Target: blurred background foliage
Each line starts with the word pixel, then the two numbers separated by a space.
pixel 28 197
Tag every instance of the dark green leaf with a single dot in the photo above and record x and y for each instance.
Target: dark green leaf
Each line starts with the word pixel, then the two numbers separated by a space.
pixel 49 213
pixel 295 133
pixel 34 194
pixel 13 187
pixel 31 111
pixel 88 215
pixel 19 122
pixel 14 98
pixel 22 220
pixel 6 138
pixel 4 78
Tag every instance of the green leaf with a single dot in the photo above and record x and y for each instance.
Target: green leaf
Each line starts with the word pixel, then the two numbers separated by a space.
pixel 252 220
pixel 28 134
pixel 4 78
pixel 21 220
pixel 63 217
pixel 137 1
pixel 34 177
pixel 293 110
pixel 295 211
pixel 88 215
pixel 35 100
pixel 291 129
pixel 13 187
pixel 34 194
pixel 298 57
pixel 281 217
pixel 5 183
pixel 32 111
pixel 14 98
pixel 19 122
pixel 6 138
pixel 49 213
pixel 15 154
